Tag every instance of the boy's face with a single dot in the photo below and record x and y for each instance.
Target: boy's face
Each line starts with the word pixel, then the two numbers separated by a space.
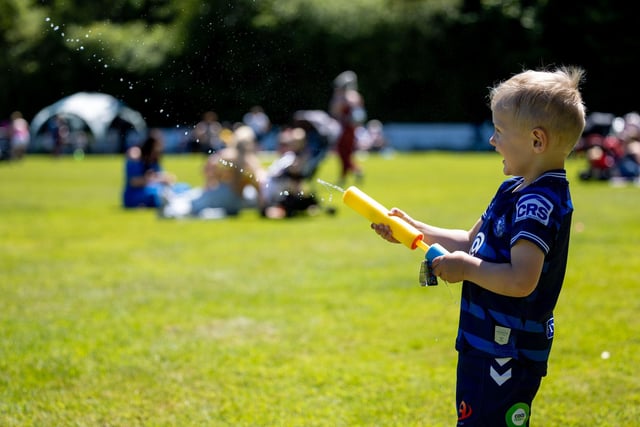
pixel 513 143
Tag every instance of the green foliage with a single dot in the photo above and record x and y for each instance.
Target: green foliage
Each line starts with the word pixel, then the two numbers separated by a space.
pixel 350 20
pixel 135 47
pixel 113 317
pixel 22 32
pixel 417 60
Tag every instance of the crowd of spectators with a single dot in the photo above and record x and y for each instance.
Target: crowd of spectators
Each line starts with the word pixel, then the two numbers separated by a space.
pixel 234 179
pixel 233 176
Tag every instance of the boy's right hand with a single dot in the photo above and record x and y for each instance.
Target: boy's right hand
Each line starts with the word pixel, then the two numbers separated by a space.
pixel 384 230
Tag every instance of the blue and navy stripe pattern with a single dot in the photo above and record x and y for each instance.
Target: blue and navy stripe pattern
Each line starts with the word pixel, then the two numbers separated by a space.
pixel 539 213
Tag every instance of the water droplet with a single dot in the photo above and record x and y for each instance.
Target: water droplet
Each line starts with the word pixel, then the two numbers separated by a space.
pixel 330 187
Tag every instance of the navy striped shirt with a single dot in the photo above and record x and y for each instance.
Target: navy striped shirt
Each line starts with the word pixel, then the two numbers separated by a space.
pixel 521 328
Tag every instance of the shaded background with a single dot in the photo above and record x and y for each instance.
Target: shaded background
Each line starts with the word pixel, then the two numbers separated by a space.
pixel 417 61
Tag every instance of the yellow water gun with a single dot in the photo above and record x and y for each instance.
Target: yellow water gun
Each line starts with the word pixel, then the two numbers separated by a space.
pixel 401 230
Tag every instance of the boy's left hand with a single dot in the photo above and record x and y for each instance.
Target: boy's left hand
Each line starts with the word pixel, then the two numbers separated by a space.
pixel 451 267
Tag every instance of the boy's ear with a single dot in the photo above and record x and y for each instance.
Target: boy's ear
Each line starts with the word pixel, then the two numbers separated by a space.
pixel 540 140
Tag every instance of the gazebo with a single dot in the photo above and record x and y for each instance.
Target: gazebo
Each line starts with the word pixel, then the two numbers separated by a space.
pixel 94 122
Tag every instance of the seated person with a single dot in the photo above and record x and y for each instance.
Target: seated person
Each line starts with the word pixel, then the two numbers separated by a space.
pixel 145 179
pixel 231 182
pixel 628 165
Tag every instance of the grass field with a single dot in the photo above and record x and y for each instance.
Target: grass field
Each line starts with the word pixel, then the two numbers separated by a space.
pixel 117 318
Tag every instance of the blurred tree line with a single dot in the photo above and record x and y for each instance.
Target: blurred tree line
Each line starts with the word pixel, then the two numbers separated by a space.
pixel 417 60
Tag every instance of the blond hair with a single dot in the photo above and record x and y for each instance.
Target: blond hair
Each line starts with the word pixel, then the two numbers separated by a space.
pixel 550 100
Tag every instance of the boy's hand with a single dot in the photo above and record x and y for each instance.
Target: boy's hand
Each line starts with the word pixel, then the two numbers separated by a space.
pixel 384 231
pixel 451 267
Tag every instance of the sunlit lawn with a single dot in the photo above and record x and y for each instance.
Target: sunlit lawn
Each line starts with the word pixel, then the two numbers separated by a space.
pixel 118 318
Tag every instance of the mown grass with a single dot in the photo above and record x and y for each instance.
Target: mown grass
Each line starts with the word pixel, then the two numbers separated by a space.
pixel 118 318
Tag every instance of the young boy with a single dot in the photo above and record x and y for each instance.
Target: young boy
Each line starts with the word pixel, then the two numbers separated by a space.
pixel 512 262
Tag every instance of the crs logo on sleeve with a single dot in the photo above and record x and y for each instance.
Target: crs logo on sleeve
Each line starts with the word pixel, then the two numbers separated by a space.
pixel 534 206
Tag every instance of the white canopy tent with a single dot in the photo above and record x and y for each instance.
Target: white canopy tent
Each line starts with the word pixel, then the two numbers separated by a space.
pixel 102 116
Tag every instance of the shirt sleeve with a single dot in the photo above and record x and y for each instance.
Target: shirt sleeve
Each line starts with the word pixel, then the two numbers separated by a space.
pixel 536 218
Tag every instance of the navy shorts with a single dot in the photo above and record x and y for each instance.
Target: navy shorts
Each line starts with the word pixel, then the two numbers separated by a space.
pixel 494 392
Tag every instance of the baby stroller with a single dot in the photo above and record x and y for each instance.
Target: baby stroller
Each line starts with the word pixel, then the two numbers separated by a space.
pixel 302 146
pixel 322 132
